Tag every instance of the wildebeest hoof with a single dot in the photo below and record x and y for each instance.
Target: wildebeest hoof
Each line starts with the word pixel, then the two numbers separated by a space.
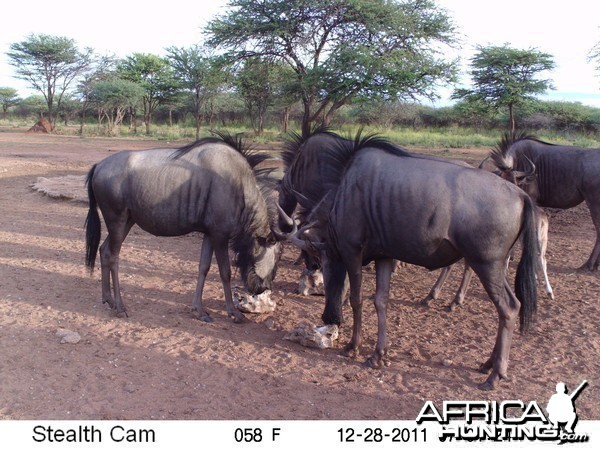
pixel 239 318
pixel 350 351
pixel 452 306
pixel 426 302
pixel 486 386
pixel 203 316
pixel 374 362
pixel 485 367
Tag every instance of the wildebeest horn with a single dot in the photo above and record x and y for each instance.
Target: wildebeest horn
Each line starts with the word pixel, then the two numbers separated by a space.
pixel 303 244
pixel 289 221
pixel 532 169
pixel 528 173
pixel 483 162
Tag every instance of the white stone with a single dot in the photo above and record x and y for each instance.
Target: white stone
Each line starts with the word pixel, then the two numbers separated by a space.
pixel 256 304
pixel 310 335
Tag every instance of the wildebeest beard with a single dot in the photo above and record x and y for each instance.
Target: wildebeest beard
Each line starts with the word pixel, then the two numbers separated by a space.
pixel 257 264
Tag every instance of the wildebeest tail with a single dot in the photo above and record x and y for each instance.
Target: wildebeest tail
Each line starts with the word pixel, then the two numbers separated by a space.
pixel 92 225
pixel 525 281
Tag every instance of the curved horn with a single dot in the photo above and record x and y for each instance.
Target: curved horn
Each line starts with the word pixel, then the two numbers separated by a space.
pixel 289 221
pixel 520 174
pixel 532 169
pixel 483 162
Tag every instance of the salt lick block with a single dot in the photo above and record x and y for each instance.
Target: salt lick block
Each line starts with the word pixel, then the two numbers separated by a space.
pixel 310 335
pixel 255 304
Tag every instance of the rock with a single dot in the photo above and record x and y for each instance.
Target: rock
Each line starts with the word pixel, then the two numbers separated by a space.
pixel 68 336
pixel 311 283
pixel 310 335
pixel 70 187
pixel 256 304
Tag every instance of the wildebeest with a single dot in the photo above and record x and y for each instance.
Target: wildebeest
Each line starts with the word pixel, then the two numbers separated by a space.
pixel 389 204
pixel 542 221
pixel 308 161
pixel 210 186
pixel 561 176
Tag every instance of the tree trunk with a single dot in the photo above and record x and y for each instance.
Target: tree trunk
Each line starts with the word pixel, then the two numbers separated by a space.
pixel 285 120
pixel 511 116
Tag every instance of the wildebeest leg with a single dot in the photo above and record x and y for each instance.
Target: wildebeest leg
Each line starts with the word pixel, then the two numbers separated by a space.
pixel 508 307
pixel 462 290
pixel 222 256
pixel 355 279
pixel 437 287
pixel 543 241
pixel 383 268
pixel 203 266
pixel 109 259
pixel 594 259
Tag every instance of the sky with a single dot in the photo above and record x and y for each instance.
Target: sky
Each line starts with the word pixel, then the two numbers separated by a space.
pixel 567 31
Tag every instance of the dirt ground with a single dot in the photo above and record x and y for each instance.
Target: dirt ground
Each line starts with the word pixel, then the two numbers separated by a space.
pixel 161 363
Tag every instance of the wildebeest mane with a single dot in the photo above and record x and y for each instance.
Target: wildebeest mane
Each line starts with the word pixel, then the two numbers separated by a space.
pixel 502 155
pixel 336 165
pixel 294 141
pixel 237 143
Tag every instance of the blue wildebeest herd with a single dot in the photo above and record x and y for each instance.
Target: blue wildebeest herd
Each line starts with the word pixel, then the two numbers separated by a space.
pixel 356 201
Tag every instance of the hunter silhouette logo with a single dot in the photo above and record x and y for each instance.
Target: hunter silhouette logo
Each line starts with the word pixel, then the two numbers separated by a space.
pixel 561 407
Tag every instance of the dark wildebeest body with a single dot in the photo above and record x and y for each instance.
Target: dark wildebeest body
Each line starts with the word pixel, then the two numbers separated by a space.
pixel 307 178
pixel 564 177
pixel 209 187
pixel 392 205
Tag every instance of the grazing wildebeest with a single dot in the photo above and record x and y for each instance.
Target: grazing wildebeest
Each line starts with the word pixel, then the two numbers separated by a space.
pixel 561 176
pixel 389 204
pixel 210 186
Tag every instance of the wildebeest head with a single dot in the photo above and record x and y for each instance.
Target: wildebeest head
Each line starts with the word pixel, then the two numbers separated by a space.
pixel 515 166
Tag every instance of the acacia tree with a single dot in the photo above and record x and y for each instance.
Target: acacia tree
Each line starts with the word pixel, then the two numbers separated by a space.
pixel 154 75
pixel 8 97
pixel 257 82
pixel 49 64
pixel 341 49
pixel 114 98
pixel 102 69
pixel 505 77
pixel 594 55
pixel 198 72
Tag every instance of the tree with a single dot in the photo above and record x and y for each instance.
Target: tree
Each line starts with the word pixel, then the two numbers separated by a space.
pixel 154 75
pixel 49 64
pixel 8 97
pixel 257 83
pixel 594 55
pixel 506 78
pixel 102 69
pixel 114 98
pixel 341 49
pixel 197 72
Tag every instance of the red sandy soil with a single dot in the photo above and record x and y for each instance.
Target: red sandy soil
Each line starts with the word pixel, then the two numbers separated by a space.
pixel 161 363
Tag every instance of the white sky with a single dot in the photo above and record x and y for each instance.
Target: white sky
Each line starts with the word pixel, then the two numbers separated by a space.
pixel 566 30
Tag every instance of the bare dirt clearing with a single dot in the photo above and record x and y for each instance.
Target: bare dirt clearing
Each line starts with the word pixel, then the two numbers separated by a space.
pixel 161 363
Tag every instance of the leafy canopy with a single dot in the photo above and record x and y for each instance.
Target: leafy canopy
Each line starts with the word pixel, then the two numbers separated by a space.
pixel 506 77
pixel 342 49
